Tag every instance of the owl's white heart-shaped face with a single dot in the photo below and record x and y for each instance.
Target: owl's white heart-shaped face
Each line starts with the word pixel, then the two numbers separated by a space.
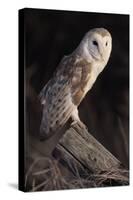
pixel 97 45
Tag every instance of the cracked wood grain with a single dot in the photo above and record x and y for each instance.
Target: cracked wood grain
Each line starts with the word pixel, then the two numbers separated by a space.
pixel 78 146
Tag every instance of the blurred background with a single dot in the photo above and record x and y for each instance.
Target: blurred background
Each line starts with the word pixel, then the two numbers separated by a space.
pixel 51 34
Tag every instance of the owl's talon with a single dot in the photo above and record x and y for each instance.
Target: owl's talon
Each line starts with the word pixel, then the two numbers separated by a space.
pixel 74 122
pixel 82 125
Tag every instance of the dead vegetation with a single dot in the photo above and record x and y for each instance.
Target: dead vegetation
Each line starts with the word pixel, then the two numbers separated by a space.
pixel 52 177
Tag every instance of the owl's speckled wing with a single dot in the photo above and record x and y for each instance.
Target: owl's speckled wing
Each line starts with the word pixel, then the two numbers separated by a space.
pixel 61 94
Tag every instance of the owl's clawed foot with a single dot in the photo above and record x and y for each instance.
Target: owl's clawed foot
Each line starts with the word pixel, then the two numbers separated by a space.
pixel 80 124
pixel 74 123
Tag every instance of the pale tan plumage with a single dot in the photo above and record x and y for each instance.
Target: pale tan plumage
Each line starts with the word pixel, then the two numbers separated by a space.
pixel 73 78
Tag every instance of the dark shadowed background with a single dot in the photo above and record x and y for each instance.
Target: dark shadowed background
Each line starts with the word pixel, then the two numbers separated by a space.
pixel 50 35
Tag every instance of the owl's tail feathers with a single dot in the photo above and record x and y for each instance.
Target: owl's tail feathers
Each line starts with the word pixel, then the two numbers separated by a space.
pixel 44 136
pixel 47 130
pixel 56 135
pixel 43 133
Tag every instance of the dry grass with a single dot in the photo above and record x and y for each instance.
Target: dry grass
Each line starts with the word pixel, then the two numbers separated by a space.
pixel 51 177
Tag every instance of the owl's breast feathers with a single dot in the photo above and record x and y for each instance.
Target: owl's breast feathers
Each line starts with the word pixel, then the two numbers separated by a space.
pixel 81 80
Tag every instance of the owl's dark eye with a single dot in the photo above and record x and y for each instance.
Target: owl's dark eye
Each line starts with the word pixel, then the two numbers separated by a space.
pixel 106 44
pixel 95 42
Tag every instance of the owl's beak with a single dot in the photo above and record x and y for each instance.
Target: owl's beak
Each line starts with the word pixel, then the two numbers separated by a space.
pixel 101 54
pixel 101 57
pixel 96 57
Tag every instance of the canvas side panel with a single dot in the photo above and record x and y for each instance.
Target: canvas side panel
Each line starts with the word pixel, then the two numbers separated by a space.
pixel 21 92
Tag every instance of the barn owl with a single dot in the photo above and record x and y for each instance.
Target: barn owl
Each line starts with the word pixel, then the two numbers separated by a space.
pixel 73 78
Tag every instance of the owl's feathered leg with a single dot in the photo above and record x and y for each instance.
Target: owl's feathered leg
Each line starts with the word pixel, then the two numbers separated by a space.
pixel 75 119
pixel 75 115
